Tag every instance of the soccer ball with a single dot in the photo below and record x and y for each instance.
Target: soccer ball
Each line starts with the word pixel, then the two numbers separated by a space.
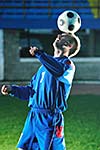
pixel 69 21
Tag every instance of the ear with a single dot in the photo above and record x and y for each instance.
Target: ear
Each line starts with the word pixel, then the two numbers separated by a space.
pixel 70 46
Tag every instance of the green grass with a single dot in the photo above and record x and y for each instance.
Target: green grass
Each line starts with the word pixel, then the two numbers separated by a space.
pixel 82 122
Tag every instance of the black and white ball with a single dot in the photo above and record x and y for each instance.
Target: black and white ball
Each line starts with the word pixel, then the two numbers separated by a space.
pixel 69 21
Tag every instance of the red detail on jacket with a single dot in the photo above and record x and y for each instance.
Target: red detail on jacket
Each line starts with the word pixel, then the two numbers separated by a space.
pixel 59 131
pixel 68 62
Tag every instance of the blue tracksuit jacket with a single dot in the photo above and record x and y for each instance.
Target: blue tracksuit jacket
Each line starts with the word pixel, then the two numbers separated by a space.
pixel 50 86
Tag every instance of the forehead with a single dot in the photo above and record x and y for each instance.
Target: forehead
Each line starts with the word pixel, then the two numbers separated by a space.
pixel 65 37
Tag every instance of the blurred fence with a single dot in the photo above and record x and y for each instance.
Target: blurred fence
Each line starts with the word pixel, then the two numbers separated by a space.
pixel 15 10
pixel 45 8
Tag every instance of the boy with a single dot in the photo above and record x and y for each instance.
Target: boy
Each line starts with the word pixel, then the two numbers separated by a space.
pixel 47 95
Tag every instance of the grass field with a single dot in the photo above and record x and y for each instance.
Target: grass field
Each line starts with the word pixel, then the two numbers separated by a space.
pixel 82 122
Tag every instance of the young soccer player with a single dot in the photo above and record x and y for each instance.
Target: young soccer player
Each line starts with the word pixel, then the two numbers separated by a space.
pixel 47 94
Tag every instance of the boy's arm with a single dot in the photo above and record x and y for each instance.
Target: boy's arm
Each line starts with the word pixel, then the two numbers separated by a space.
pixel 21 92
pixel 52 65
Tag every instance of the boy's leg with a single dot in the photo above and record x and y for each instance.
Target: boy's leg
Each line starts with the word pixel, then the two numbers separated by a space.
pixel 27 136
pixel 44 139
pixel 44 130
pixel 50 136
pixel 58 142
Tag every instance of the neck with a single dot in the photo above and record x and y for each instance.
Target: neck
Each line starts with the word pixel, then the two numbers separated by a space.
pixel 60 53
pixel 66 53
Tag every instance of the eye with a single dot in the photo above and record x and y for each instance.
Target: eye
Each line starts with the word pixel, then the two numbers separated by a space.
pixel 67 43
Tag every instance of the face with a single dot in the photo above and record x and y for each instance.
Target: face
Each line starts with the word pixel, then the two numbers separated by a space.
pixel 62 40
pixel 60 43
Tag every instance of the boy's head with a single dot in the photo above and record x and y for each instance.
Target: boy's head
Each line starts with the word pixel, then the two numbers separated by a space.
pixel 68 40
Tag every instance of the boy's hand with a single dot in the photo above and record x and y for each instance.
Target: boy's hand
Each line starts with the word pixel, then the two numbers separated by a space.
pixel 6 89
pixel 32 50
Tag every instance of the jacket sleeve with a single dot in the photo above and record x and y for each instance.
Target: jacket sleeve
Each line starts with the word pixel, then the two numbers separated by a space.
pixel 21 92
pixel 55 67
